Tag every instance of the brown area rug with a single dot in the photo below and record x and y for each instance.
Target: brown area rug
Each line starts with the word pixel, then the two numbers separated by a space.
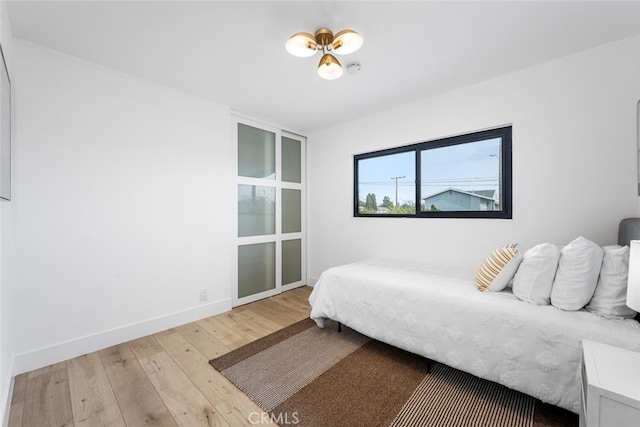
pixel 307 376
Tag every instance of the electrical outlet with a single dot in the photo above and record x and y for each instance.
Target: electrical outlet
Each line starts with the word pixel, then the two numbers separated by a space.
pixel 204 294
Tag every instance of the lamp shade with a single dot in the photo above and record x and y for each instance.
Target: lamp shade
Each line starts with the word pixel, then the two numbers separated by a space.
pixel 633 285
pixel 329 67
pixel 346 42
pixel 301 45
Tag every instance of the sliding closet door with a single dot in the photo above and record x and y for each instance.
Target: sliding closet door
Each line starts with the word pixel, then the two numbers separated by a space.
pixel 292 206
pixel 270 245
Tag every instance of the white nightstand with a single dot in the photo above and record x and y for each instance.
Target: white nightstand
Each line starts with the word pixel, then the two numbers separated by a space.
pixel 610 386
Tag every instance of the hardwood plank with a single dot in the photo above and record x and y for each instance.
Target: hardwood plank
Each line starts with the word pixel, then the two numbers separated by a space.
pixel 233 321
pixel 277 313
pixel 210 382
pixel 228 336
pixel 247 323
pixel 278 302
pixel 19 388
pixel 295 300
pixel 137 398
pixel 47 399
pixel 239 410
pixel 298 298
pixel 294 308
pixel 258 322
pixel 302 293
pixel 185 402
pixel 16 411
pixel 16 414
pixel 92 399
pixel 206 343
pixel 145 347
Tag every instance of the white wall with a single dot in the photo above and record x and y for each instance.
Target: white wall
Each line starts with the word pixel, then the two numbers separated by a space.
pixel 574 163
pixel 6 242
pixel 122 207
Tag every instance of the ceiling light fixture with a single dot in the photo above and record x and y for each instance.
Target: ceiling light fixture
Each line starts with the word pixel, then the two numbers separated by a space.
pixel 304 45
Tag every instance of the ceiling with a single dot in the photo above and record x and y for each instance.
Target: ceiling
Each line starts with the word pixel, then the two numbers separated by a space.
pixel 233 53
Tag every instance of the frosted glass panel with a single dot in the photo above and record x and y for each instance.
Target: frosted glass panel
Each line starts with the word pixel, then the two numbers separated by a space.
pixel 291 170
pixel 291 261
pixel 256 268
pixel 256 210
pixel 291 211
pixel 256 152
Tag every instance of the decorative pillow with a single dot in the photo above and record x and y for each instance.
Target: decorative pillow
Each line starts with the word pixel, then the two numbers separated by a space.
pixel 610 297
pixel 498 268
pixel 577 274
pixel 534 278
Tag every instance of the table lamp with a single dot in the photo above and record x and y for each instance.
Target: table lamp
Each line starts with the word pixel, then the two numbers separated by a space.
pixel 633 285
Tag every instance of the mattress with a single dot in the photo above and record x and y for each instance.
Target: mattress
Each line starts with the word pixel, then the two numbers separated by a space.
pixel 438 312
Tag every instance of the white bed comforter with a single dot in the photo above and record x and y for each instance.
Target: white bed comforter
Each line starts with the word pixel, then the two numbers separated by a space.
pixel 439 313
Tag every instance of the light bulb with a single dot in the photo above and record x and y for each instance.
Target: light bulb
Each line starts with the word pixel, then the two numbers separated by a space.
pixel 329 67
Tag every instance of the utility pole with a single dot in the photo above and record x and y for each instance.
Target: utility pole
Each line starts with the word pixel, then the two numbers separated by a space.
pixel 397 178
pixel 497 156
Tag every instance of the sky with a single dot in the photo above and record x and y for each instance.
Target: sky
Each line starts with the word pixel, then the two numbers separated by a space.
pixel 468 167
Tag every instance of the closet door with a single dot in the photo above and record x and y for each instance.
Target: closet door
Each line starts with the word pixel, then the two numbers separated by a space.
pixel 270 238
pixel 292 205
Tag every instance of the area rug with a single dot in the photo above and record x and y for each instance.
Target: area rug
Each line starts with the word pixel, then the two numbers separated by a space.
pixel 306 376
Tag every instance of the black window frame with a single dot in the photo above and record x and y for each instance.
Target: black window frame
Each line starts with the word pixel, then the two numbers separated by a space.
pixel 506 175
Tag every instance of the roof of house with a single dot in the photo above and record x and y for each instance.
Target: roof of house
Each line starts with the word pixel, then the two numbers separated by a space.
pixel 482 194
pixel 485 193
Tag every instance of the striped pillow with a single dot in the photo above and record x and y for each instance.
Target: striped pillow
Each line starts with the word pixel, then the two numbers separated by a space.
pixel 498 268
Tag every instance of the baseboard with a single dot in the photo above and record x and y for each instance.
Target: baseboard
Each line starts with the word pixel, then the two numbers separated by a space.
pixel 311 281
pixel 6 398
pixel 45 356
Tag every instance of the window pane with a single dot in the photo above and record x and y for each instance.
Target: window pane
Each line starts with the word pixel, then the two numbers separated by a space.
pixel 291 211
pixel 256 152
pixel 256 268
pixel 291 261
pixel 256 210
pixel 386 184
pixel 291 170
pixel 462 177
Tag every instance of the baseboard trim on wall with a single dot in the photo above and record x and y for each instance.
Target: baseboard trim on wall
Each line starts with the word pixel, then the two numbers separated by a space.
pixel 311 281
pixel 45 356
pixel 6 397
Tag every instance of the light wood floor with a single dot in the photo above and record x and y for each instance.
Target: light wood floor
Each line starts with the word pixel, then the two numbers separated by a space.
pixel 162 379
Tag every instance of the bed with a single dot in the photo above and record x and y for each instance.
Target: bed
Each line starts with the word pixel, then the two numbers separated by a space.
pixel 438 312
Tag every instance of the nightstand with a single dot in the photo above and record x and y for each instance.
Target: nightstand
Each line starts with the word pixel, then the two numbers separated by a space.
pixel 610 386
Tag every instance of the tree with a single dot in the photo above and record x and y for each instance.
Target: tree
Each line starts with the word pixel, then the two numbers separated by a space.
pixel 374 203
pixel 368 204
pixel 407 207
pixel 386 202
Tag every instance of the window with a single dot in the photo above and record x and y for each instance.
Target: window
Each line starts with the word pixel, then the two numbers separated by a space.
pixel 465 176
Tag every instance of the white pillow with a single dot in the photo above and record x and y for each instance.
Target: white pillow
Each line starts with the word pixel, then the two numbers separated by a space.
pixel 498 268
pixel 534 278
pixel 610 297
pixel 577 274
